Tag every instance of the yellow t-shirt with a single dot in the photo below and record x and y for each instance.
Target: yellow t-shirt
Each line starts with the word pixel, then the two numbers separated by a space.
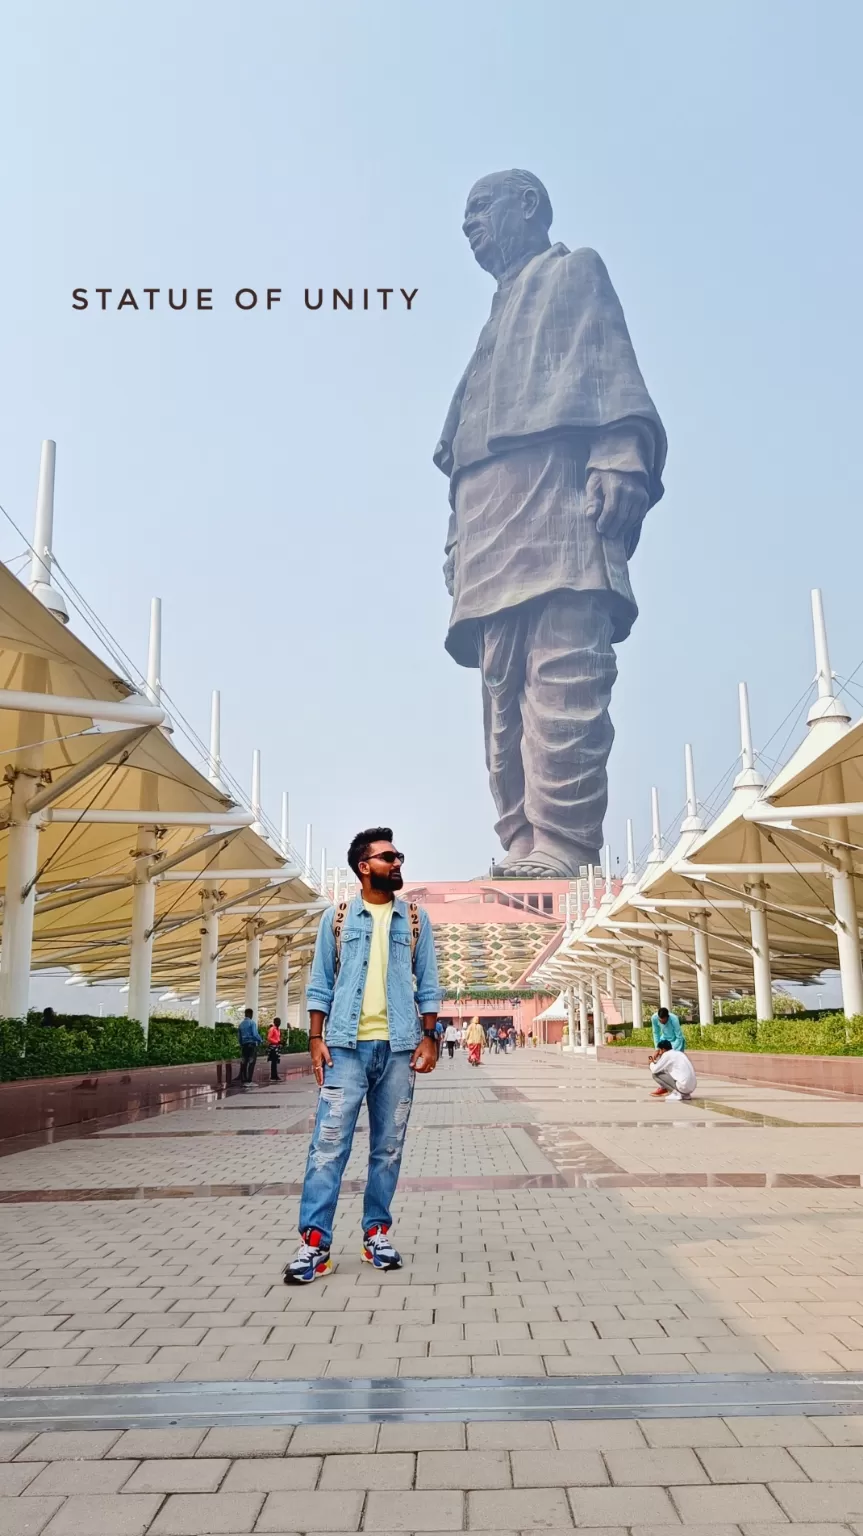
pixel 374 1024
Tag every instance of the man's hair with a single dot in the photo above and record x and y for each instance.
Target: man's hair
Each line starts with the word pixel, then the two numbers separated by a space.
pixel 278 1022
pixel 249 1013
pixel 663 1013
pixel 359 849
pixel 522 180
pixel 665 1045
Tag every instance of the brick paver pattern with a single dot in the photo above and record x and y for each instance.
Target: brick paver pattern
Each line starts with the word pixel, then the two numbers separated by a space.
pixel 719 1477
pixel 505 1275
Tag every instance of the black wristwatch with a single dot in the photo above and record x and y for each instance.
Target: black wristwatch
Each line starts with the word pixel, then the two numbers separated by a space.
pixel 430 1034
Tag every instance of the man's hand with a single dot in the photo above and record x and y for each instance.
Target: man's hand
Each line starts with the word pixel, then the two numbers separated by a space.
pixel 320 1058
pixel 617 500
pixel 449 572
pixel 424 1058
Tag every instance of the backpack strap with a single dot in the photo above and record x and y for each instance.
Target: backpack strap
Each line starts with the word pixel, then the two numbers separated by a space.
pixel 414 925
pixel 338 924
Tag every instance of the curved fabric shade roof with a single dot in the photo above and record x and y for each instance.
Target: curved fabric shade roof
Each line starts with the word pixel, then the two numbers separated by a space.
pixel 85 867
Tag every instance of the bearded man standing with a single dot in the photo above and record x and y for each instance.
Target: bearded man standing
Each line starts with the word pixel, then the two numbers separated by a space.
pixel 374 985
pixel 554 453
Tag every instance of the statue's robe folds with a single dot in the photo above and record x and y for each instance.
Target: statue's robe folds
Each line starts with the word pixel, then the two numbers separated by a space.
pixel 552 391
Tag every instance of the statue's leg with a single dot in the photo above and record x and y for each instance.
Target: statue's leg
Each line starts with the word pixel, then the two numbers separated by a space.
pixel 503 657
pixel 570 671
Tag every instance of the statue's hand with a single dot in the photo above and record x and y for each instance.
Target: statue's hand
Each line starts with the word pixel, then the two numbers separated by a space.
pixel 617 500
pixel 449 572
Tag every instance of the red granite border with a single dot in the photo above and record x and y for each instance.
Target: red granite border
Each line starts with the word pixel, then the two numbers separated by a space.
pixel 827 1074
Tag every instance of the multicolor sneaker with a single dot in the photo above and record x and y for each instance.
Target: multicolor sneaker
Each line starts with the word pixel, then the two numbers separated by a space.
pixel 379 1251
pixel 311 1263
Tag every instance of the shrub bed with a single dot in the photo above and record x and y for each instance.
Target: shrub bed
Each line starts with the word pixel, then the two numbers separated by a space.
pixel 84 1044
pixel 828 1035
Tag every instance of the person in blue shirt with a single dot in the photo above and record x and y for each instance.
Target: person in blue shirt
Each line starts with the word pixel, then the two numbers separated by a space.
pixel 249 1042
pixel 666 1026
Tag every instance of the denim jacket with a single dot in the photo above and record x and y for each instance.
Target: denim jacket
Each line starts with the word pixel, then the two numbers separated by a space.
pixel 411 991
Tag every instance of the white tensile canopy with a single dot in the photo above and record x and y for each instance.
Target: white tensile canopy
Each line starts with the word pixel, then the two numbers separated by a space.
pixel 119 858
pixel 770 888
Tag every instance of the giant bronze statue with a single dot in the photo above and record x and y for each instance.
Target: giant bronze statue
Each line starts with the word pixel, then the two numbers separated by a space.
pixel 554 453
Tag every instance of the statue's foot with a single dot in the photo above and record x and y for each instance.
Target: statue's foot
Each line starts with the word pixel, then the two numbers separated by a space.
pixel 536 866
pixel 520 848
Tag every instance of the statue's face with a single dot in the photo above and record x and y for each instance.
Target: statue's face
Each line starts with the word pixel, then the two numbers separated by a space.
pixel 496 223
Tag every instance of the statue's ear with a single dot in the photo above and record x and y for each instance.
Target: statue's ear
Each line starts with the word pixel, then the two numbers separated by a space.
pixel 529 202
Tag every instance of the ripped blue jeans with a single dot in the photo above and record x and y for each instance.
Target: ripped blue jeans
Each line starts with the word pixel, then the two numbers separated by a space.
pixel 384 1078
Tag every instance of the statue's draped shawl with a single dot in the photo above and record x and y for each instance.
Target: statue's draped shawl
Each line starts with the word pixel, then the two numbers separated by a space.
pixel 563 361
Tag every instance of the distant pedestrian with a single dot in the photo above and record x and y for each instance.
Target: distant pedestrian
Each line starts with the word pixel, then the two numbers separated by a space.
pixel 274 1045
pixel 475 1040
pixel 249 1042
pixel 452 1038
pixel 666 1026
pixel 439 1031
pixel 674 1072
pixel 493 1039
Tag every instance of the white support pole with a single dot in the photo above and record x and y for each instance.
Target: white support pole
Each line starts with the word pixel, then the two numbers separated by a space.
pixel 656 826
pixel 207 990
pixel 22 858
pixel 253 966
pixel 663 966
pixel 215 768
pixel 847 926
pixel 257 824
pixel 598 1021
pixel 143 916
pixel 336 885
pixel 324 887
pixel 582 1016
pixel 154 652
pixel 570 1016
pixel 591 892
pixel 635 991
pixel 25 776
pixel 308 848
pixel 302 1005
pixel 747 750
pixel 845 900
pixel 284 831
pixel 608 894
pixel 630 853
pixel 43 538
pixel 827 706
pixel 282 979
pixel 702 969
pixel 762 977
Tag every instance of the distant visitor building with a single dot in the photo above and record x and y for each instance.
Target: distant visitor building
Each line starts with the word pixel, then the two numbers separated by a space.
pixel 489 935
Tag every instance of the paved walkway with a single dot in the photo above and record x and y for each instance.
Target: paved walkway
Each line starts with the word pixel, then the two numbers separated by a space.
pixel 556 1221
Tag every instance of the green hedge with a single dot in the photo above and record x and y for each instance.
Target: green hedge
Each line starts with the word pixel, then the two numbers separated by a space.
pixel 84 1044
pixel 828 1035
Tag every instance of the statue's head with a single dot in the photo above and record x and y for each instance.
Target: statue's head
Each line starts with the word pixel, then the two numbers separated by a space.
pixel 508 216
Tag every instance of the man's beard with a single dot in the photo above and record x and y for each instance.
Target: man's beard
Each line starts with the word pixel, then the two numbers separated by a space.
pixel 388 883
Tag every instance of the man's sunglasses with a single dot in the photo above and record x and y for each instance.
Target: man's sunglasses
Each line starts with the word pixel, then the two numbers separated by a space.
pixel 389 857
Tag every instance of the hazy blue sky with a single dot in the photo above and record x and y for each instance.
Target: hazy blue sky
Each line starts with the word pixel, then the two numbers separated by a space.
pixel 270 475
